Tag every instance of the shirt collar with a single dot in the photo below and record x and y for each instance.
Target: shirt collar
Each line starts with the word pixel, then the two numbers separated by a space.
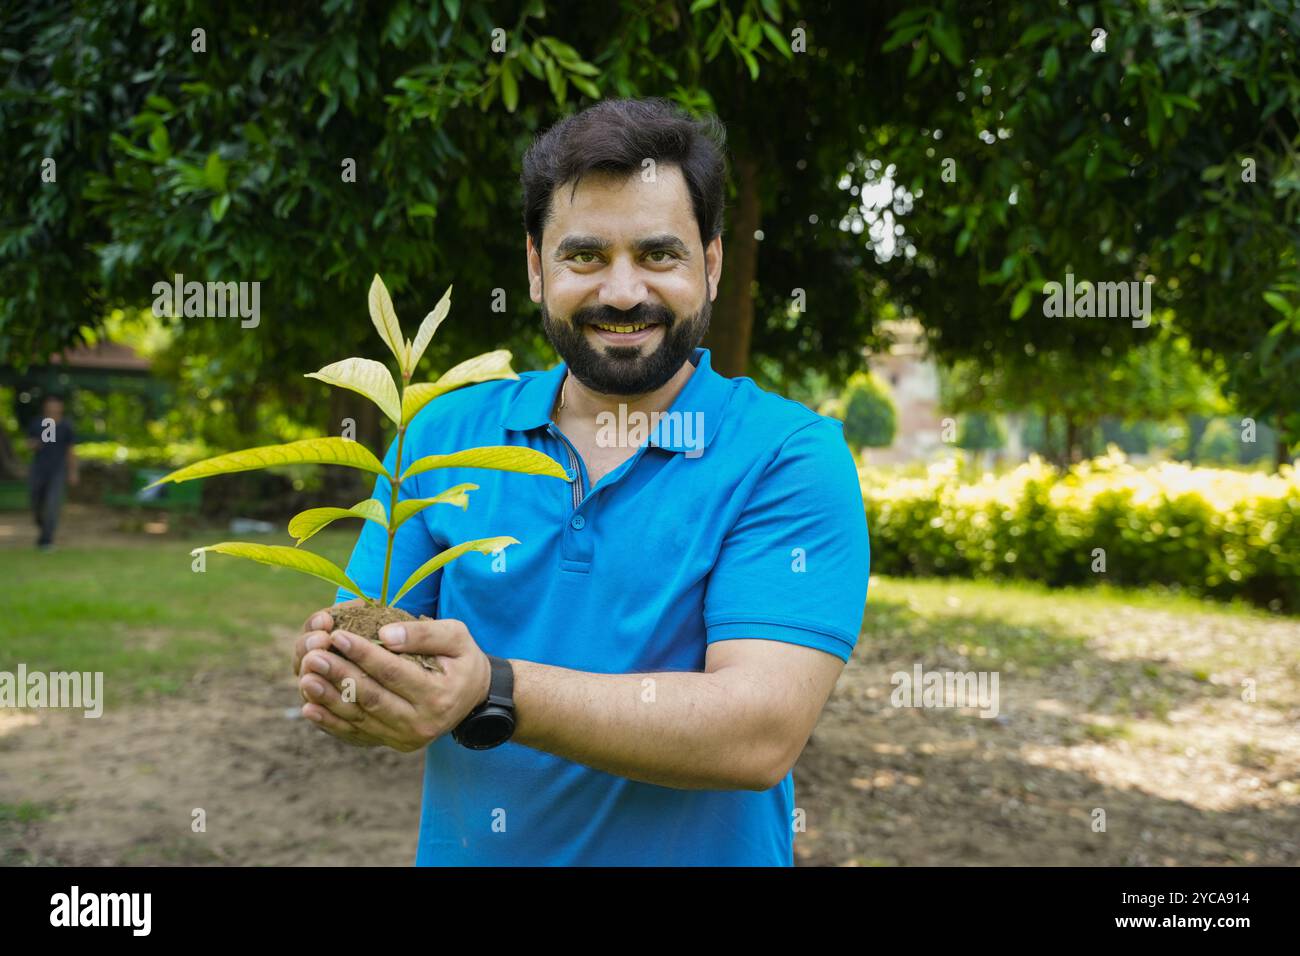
pixel 698 407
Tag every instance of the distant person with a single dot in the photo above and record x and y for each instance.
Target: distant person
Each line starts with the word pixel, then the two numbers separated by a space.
pixel 51 438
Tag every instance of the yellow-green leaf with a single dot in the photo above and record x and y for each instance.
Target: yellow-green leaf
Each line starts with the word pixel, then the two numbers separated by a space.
pixel 385 317
pixel 480 368
pixel 424 335
pixel 452 496
pixel 482 545
pixel 308 451
pixel 280 556
pixel 528 461
pixel 306 523
pixel 366 377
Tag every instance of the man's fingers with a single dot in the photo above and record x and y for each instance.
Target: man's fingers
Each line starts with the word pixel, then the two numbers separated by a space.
pixel 338 727
pixel 309 641
pixel 396 674
pixel 349 692
pixel 449 638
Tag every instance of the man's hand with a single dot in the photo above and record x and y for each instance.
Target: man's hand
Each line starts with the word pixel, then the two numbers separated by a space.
pixel 370 695
pixel 316 634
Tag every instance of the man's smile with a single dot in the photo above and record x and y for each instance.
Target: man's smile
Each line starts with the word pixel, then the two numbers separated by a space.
pixel 630 334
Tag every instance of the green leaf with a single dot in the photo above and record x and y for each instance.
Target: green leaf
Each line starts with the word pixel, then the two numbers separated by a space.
pixel 385 318
pixel 778 40
pixel 583 68
pixel 214 171
pixel 306 523
pixel 365 377
pixel 218 207
pixel 918 57
pixel 516 458
pixel 1278 302
pixel 947 40
pixel 902 38
pixel 588 87
pixel 1022 302
pixel 481 368
pixel 309 451
pixel 699 5
pixel 1051 64
pixel 455 495
pixel 482 545
pixel 159 141
pixel 280 556
pixel 1036 33
pixel 424 335
pixel 750 62
pixel 1155 122
pixel 509 87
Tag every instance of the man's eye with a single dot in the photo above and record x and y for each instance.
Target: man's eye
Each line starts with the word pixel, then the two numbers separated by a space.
pixel 663 252
pixel 577 256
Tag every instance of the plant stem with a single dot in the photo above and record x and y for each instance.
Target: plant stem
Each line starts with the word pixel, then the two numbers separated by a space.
pixel 396 484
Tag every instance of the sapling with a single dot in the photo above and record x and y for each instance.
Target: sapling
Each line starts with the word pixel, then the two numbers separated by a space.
pixel 400 403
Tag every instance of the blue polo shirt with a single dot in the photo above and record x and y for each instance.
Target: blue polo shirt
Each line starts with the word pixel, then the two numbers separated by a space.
pixel 741 517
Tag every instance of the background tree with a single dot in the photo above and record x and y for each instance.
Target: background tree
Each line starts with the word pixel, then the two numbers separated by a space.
pixel 1169 149
pixel 865 407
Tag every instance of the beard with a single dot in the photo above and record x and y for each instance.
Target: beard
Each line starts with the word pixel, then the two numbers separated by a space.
pixel 625 370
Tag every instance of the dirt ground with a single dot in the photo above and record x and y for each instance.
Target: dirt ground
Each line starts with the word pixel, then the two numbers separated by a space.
pixel 1216 781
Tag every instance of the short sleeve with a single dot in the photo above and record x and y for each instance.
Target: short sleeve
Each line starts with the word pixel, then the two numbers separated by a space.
pixel 795 564
pixel 412 546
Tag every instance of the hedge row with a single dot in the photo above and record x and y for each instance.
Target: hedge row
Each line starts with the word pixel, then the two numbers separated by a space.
pixel 1210 531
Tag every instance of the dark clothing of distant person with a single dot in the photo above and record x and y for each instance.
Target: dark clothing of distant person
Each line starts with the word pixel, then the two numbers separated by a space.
pixel 48 475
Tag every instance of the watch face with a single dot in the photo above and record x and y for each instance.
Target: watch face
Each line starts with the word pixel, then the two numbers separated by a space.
pixel 488 730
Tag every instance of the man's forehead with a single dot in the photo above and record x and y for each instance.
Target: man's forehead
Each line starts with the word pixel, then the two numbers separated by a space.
pixel 604 202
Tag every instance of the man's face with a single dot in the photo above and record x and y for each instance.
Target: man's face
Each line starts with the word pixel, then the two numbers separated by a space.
pixel 624 283
pixel 53 408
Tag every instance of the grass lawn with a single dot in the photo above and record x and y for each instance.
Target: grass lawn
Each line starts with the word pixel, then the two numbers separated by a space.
pixel 143 617
pixel 1130 701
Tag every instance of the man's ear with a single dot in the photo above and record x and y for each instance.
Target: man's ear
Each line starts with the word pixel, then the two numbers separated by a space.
pixel 713 265
pixel 533 257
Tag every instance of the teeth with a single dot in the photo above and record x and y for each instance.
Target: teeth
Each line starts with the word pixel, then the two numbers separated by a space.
pixel 624 328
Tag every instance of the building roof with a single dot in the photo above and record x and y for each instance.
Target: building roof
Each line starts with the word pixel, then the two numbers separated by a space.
pixel 111 356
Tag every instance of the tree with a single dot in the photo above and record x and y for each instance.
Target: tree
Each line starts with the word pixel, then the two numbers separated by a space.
pixel 870 419
pixel 1118 162
pixel 1157 381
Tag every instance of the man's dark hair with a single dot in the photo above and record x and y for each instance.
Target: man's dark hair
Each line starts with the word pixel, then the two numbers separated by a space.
pixel 616 136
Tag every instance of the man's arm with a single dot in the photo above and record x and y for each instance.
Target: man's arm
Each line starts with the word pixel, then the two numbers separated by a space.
pixel 739 725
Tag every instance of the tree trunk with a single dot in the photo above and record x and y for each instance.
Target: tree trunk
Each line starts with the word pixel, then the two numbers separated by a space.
pixel 732 324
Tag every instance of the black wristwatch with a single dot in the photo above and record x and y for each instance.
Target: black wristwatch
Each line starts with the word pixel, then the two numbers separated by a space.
pixel 492 722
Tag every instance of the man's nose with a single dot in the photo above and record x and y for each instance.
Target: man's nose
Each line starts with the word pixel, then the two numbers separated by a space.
pixel 622 288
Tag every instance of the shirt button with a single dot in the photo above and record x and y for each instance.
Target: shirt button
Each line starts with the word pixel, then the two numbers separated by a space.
pixel 578 522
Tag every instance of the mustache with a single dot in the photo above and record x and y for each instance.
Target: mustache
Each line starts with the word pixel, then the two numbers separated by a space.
pixel 649 315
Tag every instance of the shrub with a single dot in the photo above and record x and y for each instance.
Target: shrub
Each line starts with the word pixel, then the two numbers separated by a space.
pixel 870 420
pixel 1211 531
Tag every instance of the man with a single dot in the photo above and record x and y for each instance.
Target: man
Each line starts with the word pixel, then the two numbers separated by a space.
pixel 659 645
pixel 54 462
